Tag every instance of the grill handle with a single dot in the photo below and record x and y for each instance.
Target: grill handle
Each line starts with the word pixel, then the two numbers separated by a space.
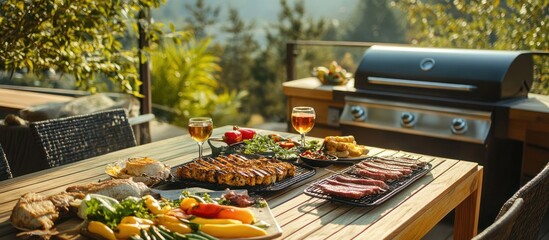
pixel 421 84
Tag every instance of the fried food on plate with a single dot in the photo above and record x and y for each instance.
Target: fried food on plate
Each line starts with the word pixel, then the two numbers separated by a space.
pixel 344 146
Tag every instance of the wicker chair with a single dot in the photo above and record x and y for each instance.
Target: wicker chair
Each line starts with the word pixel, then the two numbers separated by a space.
pixel 535 195
pixel 5 171
pixel 501 228
pixel 70 139
pixel 536 201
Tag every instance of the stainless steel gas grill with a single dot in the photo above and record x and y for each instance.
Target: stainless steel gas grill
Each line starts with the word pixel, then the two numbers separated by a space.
pixel 442 102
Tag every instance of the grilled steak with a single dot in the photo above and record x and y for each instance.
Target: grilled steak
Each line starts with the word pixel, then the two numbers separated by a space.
pixel 236 170
pixel 389 174
pixel 343 191
pixel 409 162
pixel 386 166
pixel 362 181
pixel 372 189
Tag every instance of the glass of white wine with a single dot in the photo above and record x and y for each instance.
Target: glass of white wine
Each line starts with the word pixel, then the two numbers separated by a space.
pixel 200 129
pixel 303 120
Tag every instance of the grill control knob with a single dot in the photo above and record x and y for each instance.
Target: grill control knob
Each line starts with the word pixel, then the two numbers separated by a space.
pixel 459 126
pixel 358 113
pixel 407 119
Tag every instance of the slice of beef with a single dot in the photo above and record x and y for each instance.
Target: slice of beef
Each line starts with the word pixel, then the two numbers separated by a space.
pixel 403 170
pixel 372 188
pixel 363 181
pixel 369 174
pixel 403 160
pixel 342 191
pixel 389 174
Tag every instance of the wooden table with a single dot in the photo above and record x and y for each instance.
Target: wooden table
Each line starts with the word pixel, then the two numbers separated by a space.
pixel 451 184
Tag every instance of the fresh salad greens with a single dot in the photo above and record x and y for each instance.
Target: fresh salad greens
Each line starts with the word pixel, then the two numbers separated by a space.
pixel 262 144
pixel 99 208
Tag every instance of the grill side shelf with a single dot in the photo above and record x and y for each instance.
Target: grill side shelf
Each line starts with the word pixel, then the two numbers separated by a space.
pixel 370 200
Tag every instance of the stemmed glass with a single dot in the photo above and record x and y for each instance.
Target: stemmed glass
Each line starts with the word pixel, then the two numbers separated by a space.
pixel 200 129
pixel 303 120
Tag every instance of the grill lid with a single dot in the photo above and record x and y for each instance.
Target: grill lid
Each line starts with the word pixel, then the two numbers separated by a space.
pixel 483 75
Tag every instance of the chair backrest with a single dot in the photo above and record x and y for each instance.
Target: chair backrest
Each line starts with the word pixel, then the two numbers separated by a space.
pixel 501 228
pixel 535 194
pixel 5 172
pixel 71 139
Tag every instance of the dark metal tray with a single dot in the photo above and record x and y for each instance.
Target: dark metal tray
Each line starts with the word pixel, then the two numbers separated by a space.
pixel 301 173
pixel 372 200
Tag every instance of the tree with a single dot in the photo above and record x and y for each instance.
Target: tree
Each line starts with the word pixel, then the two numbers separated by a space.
pixel 479 24
pixel 237 59
pixel 270 67
pixel 374 21
pixel 81 38
pixel 202 17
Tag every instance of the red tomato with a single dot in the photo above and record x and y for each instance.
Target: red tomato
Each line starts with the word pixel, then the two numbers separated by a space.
pixel 232 137
pixel 246 133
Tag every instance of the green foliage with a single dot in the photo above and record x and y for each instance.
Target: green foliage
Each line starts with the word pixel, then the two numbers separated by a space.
pixel 237 57
pixel 202 17
pixel 374 21
pixel 480 24
pixel 184 78
pixel 270 68
pixel 76 37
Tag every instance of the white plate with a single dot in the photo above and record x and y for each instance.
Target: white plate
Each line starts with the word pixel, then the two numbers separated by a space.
pixel 264 214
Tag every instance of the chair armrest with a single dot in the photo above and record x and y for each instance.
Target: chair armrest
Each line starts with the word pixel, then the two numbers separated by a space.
pixel 141 119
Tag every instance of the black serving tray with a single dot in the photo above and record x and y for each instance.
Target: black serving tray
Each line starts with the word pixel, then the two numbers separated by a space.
pixel 372 200
pixel 301 173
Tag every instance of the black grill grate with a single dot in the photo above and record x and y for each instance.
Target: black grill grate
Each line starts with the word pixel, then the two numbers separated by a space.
pixel 394 188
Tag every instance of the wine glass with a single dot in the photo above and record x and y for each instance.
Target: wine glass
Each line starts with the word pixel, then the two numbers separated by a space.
pixel 200 129
pixel 303 120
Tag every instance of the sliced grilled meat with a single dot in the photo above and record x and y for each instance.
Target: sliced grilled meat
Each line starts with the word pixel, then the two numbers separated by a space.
pixel 236 170
pixel 343 191
pixel 372 189
pixel 362 181
pixel 385 166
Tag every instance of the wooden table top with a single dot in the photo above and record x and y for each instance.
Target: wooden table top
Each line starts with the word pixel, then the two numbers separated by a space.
pixel 410 214
pixel 17 100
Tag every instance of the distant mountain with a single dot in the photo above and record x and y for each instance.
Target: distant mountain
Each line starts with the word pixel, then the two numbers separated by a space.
pixel 262 12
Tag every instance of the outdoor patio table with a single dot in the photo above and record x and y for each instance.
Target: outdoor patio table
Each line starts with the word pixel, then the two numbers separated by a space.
pixel 410 214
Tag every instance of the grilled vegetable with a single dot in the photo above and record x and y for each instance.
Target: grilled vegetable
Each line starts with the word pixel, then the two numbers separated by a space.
pixel 200 220
pixel 177 227
pixel 154 206
pixel 242 214
pixel 210 210
pixel 206 210
pixel 126 230
pixel 232 230
pixel 136 220
pixel 101 229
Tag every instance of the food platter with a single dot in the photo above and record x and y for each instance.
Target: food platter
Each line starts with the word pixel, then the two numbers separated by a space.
pixel 263 214
pixel 370 200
